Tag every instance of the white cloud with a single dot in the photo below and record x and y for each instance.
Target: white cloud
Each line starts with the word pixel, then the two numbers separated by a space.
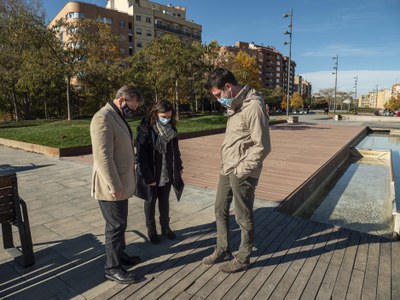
pixel 367 80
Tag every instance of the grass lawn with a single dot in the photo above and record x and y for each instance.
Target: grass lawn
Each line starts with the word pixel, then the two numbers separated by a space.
pixel 64 134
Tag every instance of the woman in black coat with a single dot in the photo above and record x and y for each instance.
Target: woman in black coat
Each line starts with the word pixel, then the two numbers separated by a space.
pixel 159 166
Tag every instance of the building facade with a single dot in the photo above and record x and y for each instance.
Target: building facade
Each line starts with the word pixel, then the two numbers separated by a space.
pixel 139 22
pixel 303 87
pixel 272 65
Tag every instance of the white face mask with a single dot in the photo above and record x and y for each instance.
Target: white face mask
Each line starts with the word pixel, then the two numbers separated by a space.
pixel 164 121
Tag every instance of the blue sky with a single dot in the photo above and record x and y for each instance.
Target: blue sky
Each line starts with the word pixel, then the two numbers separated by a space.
pixel 364 33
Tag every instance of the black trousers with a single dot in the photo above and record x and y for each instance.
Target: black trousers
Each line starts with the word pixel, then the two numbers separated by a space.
pixel 162 194
pixel 115 214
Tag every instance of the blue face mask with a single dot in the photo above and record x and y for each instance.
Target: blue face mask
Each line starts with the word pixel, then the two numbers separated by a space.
pixel 225 102
pixel 127 112
pixel 164 121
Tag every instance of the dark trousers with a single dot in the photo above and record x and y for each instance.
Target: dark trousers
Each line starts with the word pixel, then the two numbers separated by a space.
pixel 115 214
pixel 231 188
pixel 162 194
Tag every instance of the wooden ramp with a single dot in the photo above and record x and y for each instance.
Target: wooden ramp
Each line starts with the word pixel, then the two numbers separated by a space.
pixel 293 259
pixel 298 151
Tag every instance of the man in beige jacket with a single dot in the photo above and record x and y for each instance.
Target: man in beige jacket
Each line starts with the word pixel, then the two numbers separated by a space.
pixel 246 145
pixel 113 180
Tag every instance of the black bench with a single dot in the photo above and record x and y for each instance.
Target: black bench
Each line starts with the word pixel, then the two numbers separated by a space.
pixel 13 211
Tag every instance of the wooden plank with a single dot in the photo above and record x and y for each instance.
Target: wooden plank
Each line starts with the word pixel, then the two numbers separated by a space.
pixel 298 285
pixel 362 252
pixel 236 290
pixel 395 270
pixel 312 287
pixel 206 277
pixel 155 266
pixel 355 286
pixel 297 261
pixel 168 289
pixel 256 284
pixel 371 273
pixel 215 282
pixel 180 285
pixel 237 279
pixel 384 274
pixel 328 283
pixel 343 279
pixel 360 264
pixel 282 259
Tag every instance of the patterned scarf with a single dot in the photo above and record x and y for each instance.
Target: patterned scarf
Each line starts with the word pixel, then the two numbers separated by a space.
pixel 165 134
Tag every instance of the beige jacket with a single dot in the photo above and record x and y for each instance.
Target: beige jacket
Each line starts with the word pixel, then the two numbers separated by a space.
pixel 247 140
pixel 113 155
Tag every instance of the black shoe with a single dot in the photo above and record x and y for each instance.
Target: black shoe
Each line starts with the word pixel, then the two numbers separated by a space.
pixel 130 260
pixel 154 238
pixel 121 276
pixel 169 233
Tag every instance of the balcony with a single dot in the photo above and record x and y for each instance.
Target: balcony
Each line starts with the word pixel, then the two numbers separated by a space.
pixel 177 31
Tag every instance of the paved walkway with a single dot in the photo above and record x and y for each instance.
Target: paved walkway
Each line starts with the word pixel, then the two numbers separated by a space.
pixel 293 258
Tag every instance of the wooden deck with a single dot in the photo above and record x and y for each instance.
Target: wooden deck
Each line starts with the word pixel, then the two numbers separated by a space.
pixel 298 151
pixel 294 259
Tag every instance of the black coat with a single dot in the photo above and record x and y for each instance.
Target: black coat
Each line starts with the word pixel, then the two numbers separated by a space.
pixel 149 162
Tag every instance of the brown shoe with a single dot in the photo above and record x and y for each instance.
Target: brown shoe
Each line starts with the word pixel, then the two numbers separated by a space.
pixel 217 256
pixel 233 266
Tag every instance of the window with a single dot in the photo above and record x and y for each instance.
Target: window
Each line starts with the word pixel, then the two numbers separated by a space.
pixel 139 31
pixel 278 63
pixel 138 18
pixel 148 20
pixel 148 32
pixel 139 44
pixel 130 38
pixel 75 15
pixel 121 24
pixel 105 20
pixel 277 80
pixel 130 51
pixel 278 68
pixel 130 25
pixel 122 51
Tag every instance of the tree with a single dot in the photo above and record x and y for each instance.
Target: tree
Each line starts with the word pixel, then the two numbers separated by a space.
pixel 296 101
pixel 273 97
pixel 393 104
pixel 244 67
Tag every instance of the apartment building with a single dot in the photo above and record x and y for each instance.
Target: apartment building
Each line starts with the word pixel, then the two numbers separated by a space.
pixel 375 99
pixel 303 87
pixel 272 65
pixel 137 21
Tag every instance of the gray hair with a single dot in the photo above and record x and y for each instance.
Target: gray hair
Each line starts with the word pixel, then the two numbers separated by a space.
pixel 129 92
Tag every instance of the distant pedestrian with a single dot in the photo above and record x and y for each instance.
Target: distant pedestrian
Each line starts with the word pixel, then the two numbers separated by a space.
pixel 246 145
pixel 113 179
pixel 159 166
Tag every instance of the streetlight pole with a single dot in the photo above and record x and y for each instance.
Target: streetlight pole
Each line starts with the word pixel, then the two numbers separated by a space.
pixel 355 92
pixel 376 97
pixel 336 58
pixel 289 67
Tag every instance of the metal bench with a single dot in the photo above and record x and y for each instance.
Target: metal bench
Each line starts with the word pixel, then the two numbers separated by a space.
pixel 13 211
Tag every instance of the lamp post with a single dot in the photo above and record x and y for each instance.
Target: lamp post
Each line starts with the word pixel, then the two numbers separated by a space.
pixel 289 67
pixel 355 92
pixel 376 97
pixel 336 58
